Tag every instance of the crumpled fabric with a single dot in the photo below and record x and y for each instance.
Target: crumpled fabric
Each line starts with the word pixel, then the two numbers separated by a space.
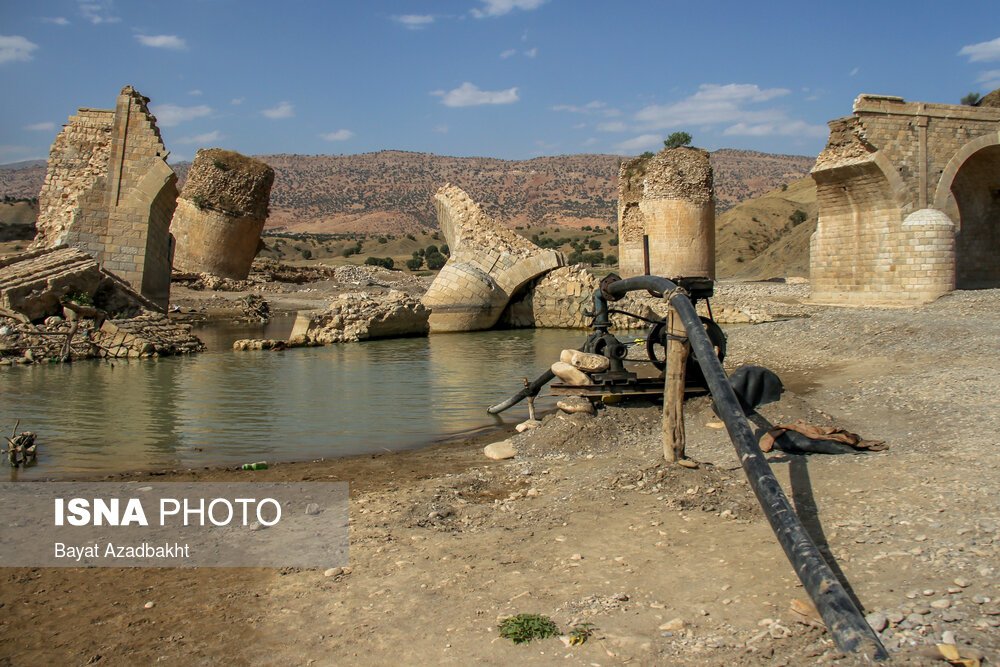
pixel 820 433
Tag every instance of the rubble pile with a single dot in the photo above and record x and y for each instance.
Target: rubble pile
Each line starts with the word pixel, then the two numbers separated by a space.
pixel 362 316
pixel 148 335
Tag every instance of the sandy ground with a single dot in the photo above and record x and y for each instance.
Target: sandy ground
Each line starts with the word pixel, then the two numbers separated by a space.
pixel 586 525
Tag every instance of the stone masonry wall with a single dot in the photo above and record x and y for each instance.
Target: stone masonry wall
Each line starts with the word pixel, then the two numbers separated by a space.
pixel 77 169
pixel 890 186
pixel 109 191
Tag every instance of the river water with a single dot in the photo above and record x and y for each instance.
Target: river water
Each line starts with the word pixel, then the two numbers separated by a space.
pixel 223 408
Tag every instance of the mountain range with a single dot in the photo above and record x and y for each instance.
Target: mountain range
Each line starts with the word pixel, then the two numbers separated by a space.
pixel 391 191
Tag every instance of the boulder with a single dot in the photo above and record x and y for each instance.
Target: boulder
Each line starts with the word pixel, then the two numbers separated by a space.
pixel 363 316
pixel 585 361
pixel 575 405
pixel 570 374
pixel 499 451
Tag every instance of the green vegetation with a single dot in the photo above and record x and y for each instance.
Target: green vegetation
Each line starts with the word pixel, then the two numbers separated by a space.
pixel 971 99
pixel 415 263
pixel 677 139
pixel 523 628
pixel 384 262
pixel 435 260
pixel 220 165
pixel 798 217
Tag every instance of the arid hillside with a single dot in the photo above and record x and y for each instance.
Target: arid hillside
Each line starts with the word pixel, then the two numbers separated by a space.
pixel 390 191
pixel 768 236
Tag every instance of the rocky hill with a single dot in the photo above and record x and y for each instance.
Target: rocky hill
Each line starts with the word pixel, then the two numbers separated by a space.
pixel 390 191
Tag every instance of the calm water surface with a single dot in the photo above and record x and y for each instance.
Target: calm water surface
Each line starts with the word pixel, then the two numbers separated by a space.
pixel 227 408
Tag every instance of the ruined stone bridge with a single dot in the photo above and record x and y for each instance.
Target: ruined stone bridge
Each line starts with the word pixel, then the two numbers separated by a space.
pixel 909 202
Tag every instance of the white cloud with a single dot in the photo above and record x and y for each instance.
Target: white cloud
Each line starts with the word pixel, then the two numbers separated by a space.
pixel 172 42
pixel 206 138
pixel 712 104
pixel 16 154
pixel 590 141
pixel 236 101
pixel 508 53
pixel 337 135
pixel 592 107
pixel 983 51
pixel 169 115
pixel 41 127
pixel 283 110
pixel 642 142
pixel 531 53
pixel 990 78
pixel 492 8
pixel 15 47
pixel 854 72
pixel 611 126
pixel 56 20
pixel 195 93
pixel 469 95
pixel 414 21
pixel 441 129
pixel 98 11
pixel 780 127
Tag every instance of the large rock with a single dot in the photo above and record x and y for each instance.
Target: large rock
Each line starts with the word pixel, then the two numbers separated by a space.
pixel 489 263
pixel 362 316
pixel 221 213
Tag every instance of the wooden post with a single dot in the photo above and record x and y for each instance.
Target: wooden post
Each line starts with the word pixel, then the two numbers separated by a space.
pixel 673 389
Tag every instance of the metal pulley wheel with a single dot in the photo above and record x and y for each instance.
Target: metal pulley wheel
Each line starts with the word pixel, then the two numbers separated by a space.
pixel 656 349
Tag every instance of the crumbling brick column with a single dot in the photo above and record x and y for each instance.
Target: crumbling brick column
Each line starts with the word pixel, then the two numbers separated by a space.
pixel 489 263
pixel 221 213
pixel 109 192
pixel 671 223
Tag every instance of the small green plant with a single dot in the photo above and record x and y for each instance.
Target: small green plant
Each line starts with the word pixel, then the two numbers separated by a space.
pixel 80 298
pixel 579 634
pixel 200 201
pixel 677 139
pixel 522 628
pixel 798 217
pixel 220 165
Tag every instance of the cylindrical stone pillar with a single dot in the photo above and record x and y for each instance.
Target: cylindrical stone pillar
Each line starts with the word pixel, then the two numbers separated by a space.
pixel 678 211
pixel 221 213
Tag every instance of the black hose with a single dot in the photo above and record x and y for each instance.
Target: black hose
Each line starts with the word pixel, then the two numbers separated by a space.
pixel 841 615
pixel 531 390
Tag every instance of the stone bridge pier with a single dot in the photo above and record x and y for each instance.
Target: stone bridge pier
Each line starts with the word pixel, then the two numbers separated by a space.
pixel 909 202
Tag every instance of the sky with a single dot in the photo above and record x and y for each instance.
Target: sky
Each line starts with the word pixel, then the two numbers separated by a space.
pixel 511 79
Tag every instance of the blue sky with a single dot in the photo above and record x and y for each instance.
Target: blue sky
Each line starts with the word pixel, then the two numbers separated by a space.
pixel 500 78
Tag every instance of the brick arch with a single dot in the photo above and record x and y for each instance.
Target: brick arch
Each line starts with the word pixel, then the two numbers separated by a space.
pixel 943 198
pixel 897 188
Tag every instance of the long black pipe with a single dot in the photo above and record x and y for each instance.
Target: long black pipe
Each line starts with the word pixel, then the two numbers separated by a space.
pixel 846 623
pixel 531 390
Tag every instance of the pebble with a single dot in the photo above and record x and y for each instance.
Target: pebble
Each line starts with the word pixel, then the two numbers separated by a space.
pixel 895 617
pixel 527 425
pixel 921 610
pixel 914 619
pixel 576 405
pixel 948 637
pixel 962 583
pixel 312 509
pixel 941 604
pixel 673 625
pixel 256 525
pixel 877 621
pixel 576 557
pixel 149 605
pixel 333 572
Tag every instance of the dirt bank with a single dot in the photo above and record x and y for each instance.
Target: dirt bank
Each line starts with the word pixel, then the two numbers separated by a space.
pixel 672 566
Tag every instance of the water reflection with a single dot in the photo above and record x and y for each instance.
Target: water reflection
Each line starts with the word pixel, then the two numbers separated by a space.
pixel 227 408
